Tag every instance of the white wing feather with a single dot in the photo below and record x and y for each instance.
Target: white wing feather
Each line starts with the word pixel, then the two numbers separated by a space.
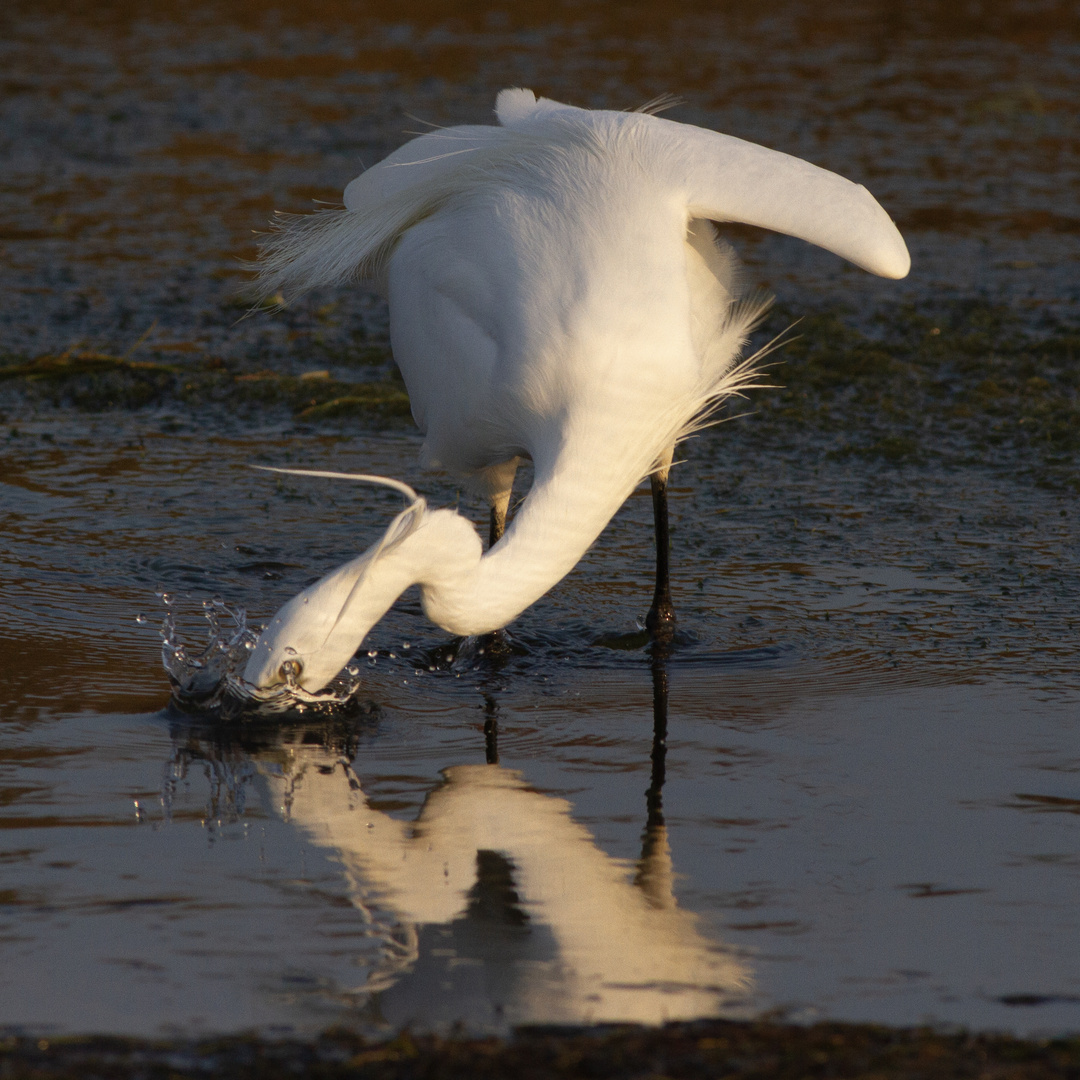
pixel 719 177
pixel 728 179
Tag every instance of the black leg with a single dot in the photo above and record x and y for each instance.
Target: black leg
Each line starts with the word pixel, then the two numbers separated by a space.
pixel 498 480
pixel 497 526
pixel 496 644
pixel 660 622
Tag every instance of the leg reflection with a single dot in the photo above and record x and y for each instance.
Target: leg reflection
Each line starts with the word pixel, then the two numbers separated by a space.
pixel 654 874
pixel 491 730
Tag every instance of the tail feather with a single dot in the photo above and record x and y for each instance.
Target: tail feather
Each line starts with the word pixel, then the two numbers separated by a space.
pixel 331 247
pixel 310 251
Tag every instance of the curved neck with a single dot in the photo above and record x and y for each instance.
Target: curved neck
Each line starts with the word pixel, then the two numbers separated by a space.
pixel 573 497
pixel 579 486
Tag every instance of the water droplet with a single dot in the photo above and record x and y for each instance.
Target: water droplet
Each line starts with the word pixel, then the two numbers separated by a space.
pixel 289 650
pixel 373 652
pixel 352 669
pixel 140 619
pixel 406 645
pixel 393 656
pixel 167 599
pixel 306 599
pixel 217 601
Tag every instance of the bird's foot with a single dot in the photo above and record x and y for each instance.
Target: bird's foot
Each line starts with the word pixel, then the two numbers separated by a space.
pixel 472 651
pixel 496 645
pixel 660 622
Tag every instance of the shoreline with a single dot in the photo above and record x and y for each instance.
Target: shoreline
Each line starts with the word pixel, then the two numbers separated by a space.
pixel 762 1048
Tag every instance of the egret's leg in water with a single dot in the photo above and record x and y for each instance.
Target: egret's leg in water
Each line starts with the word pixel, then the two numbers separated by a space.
pixel 498 520
pixel 496 643
pixel 499 480
pixel 660 622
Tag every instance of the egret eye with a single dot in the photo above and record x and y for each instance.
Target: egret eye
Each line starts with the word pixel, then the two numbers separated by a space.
pixel 290 671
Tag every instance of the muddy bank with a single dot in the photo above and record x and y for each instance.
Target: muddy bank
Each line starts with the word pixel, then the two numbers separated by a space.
pixel 691 1051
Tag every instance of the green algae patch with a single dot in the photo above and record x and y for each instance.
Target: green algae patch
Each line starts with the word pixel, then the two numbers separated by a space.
pixel 316 396
pixel 72 362
pixel 382 398
pixel 971 383
pixel 90 380
pixel 762 1050
pixel 100 382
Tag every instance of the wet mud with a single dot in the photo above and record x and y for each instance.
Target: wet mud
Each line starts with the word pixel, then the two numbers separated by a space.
pixel 763 1049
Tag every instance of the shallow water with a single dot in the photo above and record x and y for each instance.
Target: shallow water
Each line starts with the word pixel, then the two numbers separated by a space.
pixel 850 791
pixel 869 798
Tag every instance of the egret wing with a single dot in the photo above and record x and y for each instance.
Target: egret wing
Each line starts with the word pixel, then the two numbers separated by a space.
pixel 723 178
pixel 729 179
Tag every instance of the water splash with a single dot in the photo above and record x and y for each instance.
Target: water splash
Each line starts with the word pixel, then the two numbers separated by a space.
pixel 207 678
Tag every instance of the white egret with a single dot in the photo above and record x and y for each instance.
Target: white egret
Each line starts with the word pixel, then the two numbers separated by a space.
pixel 557 292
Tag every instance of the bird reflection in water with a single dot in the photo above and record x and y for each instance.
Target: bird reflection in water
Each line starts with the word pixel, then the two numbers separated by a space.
pixel 494 907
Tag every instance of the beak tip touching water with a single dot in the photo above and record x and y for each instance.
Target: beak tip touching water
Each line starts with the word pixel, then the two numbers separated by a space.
pixel 274 665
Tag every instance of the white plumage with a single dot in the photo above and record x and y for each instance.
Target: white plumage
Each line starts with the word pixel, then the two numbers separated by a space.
pixel 557 291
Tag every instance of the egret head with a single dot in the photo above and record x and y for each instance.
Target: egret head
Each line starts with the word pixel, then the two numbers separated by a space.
pixel 317 632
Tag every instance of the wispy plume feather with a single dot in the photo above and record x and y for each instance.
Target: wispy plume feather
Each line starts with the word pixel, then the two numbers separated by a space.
pixel 332 247
pixel 660 103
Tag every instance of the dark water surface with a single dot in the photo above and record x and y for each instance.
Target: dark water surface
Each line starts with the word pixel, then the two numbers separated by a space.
pixel 868 805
